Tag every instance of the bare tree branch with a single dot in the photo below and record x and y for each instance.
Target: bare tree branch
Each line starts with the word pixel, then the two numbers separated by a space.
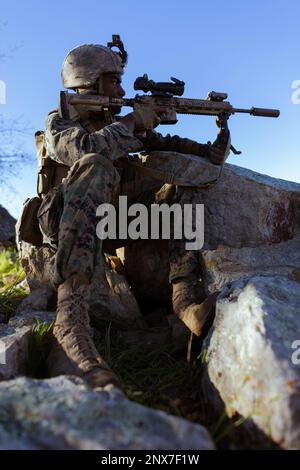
pixel 11 151
pixel 12 155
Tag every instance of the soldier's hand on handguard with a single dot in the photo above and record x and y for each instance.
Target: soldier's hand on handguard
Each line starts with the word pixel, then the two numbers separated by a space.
pixel 219 150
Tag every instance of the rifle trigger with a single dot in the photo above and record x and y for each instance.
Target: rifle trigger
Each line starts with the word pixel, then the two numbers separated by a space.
pixel 234 150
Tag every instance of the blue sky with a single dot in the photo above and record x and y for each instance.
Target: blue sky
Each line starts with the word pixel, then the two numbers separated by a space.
pixel 249 49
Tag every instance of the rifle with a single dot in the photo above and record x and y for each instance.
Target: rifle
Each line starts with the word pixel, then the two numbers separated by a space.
pixel 163 98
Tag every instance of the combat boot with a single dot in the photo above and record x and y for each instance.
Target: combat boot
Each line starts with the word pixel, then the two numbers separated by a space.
pixel 74 351
pixel 191 304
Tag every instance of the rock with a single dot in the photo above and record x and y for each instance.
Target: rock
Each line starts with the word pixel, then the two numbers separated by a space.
pixel 226 264
pixel 112 298
pixel 13 350
pixel 14 342
pixel 249 358
pixel 38 263
pixel 20 444
pixel 41 299
pixel 64 413
pixel 7 228
pixel 247 208
pixel 31 318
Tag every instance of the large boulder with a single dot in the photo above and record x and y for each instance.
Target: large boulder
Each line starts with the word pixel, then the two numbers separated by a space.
pixel 246 208
pixel 64 413
pixel 250 370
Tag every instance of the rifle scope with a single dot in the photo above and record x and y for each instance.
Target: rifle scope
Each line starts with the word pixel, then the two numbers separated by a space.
pixel 176 87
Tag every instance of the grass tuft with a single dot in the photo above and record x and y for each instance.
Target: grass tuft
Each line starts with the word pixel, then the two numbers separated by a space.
pixel 11 275
pixel 151 375
pixel 39 348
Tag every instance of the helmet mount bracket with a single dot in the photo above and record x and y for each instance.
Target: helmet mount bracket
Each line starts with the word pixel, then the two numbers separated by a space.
pixel 116 42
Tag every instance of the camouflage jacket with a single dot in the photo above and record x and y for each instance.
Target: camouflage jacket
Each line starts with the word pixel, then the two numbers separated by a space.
pixel 66 141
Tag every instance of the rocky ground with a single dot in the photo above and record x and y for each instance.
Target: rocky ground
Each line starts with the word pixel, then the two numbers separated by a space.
pixel 242 387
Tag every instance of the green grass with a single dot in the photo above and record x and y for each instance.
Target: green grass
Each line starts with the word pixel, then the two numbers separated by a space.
pixel 38 349
pixel 152 376
pixel 10 266
pixel 11 275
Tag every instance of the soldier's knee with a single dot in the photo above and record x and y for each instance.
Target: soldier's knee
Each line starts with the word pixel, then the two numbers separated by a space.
pixel 97 160
pixel 93 166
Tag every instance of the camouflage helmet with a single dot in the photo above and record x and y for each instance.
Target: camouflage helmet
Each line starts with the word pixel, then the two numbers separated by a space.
pixel 84 65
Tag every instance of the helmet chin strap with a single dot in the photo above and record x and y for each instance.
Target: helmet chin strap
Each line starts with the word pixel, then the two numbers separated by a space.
pixel 107 116
pixel 106 112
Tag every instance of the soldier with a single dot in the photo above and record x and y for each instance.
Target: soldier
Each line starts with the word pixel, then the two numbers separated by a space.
pixel 94 148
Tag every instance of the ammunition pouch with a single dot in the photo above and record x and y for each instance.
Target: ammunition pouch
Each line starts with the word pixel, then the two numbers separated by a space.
pixel 27 227
pixel 49 213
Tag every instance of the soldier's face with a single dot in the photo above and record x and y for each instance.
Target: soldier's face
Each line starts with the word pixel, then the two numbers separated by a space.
pixel 111 83
pixel 112 87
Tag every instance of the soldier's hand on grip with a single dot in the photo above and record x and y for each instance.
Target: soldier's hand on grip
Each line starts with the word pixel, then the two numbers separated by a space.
pixel 145 117
pixel 222 123
pixel 219 150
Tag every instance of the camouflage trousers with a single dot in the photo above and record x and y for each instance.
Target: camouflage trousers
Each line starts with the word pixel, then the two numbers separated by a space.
pixel 94 180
